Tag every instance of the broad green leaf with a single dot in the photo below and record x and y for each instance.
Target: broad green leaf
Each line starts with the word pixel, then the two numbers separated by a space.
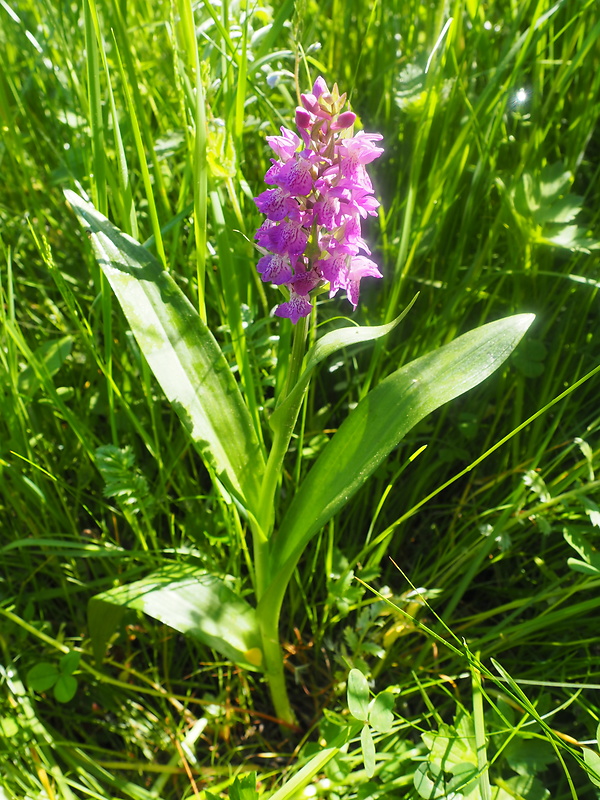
pixel 192 601
pixel 65 688
pixel 464 781
pixel 592 761
pixel 429 782
pixel 42 676
pixel 450 747
pixel 358 695
pixel 526 786
pixel 560 212
pixel 380 712
pixel 182 353
pixel 368 750
pixel 380 421
pixel 529 357
pixel 528 755
pixel 69 662
pixel 554 181
pixel 327 345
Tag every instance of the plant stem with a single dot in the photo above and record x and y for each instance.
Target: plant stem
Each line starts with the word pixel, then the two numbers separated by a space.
pixel 274 672
pixel 262 534
pixel 281 440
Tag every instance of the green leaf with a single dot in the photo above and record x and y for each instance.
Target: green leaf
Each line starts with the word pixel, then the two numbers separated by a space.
pixel 380 421
pixel 429 782
pixel 554 181
pixel 65 688
pixel 192 601
pixel 591 563
pixel 42 676
pixel 583 567
pixel 380 712
pixel 182 353
pixel 452 746
pixel 592 761
pixel 358 695
pixel 325 759
pixel 529 755
pixel 327 345
pixel 69 662
pixel 465 778
pixel 526 786
pixel 244 787
pixel 368 750
pixel 561 211
pixel 571 237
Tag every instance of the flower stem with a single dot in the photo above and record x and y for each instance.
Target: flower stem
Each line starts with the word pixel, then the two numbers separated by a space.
pixel 281 440
pixel 274 672
pixel 263 530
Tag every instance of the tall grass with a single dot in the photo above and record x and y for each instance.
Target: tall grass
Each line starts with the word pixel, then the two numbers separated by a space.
pixel 481 117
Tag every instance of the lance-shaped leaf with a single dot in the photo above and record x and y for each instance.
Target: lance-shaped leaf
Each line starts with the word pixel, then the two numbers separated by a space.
pixel 182 353
pixel 186 598
pixel 379 422
pixel 287 413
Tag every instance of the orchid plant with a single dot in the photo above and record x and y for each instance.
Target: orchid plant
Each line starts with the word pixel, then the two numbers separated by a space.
pixel 310 242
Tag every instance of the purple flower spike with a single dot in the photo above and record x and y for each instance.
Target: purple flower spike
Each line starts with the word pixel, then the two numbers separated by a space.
pixel 312 234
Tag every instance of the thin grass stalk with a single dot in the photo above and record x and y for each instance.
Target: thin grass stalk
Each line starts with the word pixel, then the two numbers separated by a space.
pixel 199 164
pixel 233 305
pixel 480 738
pixel 99 184
pixel 139 145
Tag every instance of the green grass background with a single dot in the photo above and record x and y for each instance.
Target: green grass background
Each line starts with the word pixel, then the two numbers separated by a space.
pixel 490 206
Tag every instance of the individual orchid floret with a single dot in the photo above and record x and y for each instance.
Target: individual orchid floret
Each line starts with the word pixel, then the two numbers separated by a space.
pixel 312 236
pixel 277 204
pixel 285 145
pixel 274 268
pixel 296 175
pixel 360 267
pixel 295 308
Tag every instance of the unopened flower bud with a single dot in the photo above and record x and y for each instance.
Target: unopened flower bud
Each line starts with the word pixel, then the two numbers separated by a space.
pixel 302 118
pixel 345 120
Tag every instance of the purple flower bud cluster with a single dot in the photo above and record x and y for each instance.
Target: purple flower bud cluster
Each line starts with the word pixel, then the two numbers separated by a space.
pixel 312 233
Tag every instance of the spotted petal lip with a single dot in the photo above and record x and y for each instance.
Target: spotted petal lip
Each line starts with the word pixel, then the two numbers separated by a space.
pixel 277 204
